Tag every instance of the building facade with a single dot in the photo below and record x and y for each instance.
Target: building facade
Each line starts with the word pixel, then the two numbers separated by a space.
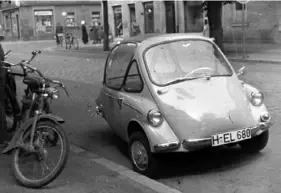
pixel 130 18
pixel 262 22
pixel 262 19
pixel 38 19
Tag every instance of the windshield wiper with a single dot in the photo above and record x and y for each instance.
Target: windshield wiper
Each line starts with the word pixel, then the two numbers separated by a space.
pixel 188 78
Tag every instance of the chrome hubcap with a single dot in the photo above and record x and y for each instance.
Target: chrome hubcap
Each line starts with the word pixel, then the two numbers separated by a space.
pixel 139 155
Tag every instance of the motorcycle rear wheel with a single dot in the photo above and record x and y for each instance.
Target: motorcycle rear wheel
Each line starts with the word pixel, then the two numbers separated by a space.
pixel 31 183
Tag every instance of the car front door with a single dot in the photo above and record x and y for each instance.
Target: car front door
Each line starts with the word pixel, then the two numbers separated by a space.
pixel 130 95
pixel 116 67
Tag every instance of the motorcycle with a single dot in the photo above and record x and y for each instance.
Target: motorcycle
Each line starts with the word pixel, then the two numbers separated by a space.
pixel 38 134
pixel 15 113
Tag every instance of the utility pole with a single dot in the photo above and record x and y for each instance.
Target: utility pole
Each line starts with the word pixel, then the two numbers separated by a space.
pixel 243 29
pixel 106 27
pixel 243 2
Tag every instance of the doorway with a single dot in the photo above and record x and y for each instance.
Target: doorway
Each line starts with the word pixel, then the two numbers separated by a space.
pixel 193 17
pixel 133 25
pixel 170 17
pixel 18 26
pixel 118 24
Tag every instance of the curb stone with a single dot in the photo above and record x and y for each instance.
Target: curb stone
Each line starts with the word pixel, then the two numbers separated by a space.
pixel 124 172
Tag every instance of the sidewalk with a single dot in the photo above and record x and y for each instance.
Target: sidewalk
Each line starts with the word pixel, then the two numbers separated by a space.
pixel 86 173
pixel 266 53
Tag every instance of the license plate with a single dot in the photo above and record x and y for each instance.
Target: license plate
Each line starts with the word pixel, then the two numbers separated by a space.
pixel 231 137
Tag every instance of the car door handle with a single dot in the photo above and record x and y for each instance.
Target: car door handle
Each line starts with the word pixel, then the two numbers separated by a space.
pixel 120 100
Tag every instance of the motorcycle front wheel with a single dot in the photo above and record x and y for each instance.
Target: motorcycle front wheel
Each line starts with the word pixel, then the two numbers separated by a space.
pixel 43 171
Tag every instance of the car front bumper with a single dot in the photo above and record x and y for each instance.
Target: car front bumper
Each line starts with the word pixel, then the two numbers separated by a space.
pixel 197 144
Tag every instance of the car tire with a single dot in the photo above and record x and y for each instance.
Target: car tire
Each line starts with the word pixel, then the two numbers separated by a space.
pixel 255 144
pixel 139 139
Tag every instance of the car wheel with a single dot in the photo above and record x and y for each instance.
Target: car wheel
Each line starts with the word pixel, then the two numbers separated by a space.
pixel 255 144
pixel 141 157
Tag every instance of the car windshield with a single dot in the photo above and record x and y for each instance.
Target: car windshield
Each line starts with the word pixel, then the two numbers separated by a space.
pixel 178 61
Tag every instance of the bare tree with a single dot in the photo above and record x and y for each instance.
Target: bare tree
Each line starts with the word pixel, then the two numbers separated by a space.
pixel 106 27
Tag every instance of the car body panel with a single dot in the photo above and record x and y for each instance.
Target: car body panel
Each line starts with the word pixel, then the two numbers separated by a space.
pixel 200 108
pixel 109 101
pixel 192 110
pixel 134 109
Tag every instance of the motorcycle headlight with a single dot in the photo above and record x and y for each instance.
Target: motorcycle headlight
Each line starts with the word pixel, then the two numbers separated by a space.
pixel 257 98
pixel 155 118
pixel 55 94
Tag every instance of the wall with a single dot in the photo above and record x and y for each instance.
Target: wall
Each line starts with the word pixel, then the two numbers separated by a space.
pixel 159 16
pixel 82 12
pixel 263 20
pixel 26 22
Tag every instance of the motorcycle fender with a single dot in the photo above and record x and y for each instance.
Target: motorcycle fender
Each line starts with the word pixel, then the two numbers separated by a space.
pixel 14 143
pixel 51 117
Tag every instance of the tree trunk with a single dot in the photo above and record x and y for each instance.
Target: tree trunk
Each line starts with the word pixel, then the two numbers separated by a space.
pixel 214 13
pixel 106 27
pixel 3 131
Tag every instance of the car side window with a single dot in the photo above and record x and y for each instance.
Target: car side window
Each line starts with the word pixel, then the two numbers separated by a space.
pixel 133 82
pixel 117 65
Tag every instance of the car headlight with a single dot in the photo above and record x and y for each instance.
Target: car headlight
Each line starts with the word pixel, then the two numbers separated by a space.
pixel 257 98
pixel 154 118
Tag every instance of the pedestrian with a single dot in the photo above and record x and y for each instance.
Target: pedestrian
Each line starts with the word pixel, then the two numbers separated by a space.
pixel 93 33
pixel 206 30
pixel 100 32
pixel 59 32
pixel 85 38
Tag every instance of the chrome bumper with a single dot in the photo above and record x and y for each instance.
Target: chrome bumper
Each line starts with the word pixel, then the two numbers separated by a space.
pixel 196 144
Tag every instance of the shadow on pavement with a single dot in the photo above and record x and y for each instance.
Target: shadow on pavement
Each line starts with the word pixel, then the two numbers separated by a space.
pixel 206 161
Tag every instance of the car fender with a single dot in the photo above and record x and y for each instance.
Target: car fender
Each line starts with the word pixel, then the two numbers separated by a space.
pixel 16 140
pixel 157 135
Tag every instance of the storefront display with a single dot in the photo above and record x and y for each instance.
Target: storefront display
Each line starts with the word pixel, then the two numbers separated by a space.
pixel 95 17
pixel 43 21
pixel 70 19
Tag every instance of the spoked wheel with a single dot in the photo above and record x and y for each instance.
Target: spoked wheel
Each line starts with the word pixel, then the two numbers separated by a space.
pixel 75 43
pixel 42 164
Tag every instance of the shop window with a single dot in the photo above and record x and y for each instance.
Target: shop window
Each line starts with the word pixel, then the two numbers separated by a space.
pixel 237 14
pixel 43 21
pixel 95 17
pixel 70 19
pixel 148 17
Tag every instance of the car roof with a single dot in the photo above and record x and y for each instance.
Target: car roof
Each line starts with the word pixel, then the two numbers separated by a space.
pixel 147 40
pixel 163 37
